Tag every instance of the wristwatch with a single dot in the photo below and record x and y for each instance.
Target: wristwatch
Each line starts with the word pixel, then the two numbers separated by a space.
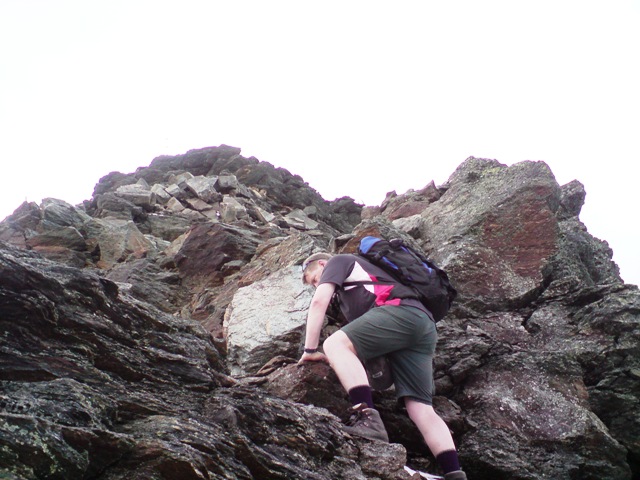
pixel 310 350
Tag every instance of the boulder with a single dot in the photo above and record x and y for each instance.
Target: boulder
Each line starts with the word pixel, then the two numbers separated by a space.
pixel 204 188
pixel 165 226
pixel 58 213
pixel 138 194
pixel 21 224
pixel 495 230
pixel 208 247
pixel 265 319
pixel 161 194
pixel 231 210
pixel 118 240
pixel 298 219
pixel 227 183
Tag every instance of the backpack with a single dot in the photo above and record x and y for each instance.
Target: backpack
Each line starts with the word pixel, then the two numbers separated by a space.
pixel 411 268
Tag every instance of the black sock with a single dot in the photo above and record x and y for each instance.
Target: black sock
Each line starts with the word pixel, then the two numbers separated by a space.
pixel 448 461
pixel 361 394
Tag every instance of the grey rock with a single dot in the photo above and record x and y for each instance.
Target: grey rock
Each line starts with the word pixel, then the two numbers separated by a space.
pixel 120 368
pixel 266 319
pixel 173 190
pixel 161 193
pixel 198 205
pixel 226 183
pixel 166 227
pixel 68 237
pixel 231 210
pixel 118 240
pixel 138 194
pixel 181 179
pixel 59 213
pixel 572 200
pixel 111 205
pixel 298 219
pixel 203 187
pixel 174 205
pixel 495 229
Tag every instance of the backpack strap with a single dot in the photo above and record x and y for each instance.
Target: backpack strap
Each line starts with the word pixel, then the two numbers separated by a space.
pixel 372 282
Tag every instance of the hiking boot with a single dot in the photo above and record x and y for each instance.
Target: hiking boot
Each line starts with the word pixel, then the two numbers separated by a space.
pixel 457 475
pixel 366 422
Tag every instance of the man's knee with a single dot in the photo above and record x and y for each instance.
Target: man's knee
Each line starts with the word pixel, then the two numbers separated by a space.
pixel 418 409
pixel 336 342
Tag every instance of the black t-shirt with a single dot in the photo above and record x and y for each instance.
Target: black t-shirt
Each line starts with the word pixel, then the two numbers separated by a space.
pixel 355 300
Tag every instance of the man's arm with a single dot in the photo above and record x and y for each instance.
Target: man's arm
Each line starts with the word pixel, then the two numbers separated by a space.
pixel 315 319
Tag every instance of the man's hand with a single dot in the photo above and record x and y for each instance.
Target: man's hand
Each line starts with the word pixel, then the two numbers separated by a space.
pixel 313 357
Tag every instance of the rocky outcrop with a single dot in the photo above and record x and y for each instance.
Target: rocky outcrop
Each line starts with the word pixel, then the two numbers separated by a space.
pixel 99 385
pixel 153 331
pixel 266 319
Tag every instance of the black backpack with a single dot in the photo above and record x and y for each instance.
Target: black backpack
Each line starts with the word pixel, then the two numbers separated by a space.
pixel 411 268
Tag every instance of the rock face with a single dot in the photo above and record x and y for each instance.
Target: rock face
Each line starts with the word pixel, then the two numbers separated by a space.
pixel 261 323
pixel 153 331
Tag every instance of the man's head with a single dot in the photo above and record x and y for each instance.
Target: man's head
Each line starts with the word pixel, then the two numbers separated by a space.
pixel 312 267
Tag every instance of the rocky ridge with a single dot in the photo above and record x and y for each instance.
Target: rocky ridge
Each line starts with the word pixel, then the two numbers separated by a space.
pixel 152 331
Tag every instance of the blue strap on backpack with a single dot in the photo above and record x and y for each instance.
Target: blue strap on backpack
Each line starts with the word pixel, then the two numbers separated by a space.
pixel 430 283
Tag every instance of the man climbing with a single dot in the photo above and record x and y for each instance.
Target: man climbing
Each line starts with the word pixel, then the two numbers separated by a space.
pixel 400 328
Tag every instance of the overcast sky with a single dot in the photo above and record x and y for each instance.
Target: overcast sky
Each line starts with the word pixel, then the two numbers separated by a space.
pixel 357 97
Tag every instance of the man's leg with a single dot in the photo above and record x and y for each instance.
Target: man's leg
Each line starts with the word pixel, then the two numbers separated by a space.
pixel 437 436
pixel 344 361
pixel 434 430
pixel 365 420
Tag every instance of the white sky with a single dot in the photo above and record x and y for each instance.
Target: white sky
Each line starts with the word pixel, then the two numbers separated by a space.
pixel 357 97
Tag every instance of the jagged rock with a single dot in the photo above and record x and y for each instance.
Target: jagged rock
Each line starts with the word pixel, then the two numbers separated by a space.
pixel 54 230
pixel 266 319
pixel 410 203
pixel 62 214
pixel 21 224
pixel 161 194
pixel 231 210
pixel 173 190
pixel 413 225
pixel 536 367
pixel 298 219
pixel 310 211
pixel 503 233
pixel 65 245
pixel 182 179
pixel 572 200
pixel 198 205
pixel 118 239
pixel 197 162
pixel 582 257
pixel 380 459
pixel 68 237
pixel 311 384
pixel 138 194
pixel 148 282
pixel 122 391
pixel 226 183
pixel 264 216
pixel 166 227
pixel 204 188
pixel 208 247
pixel 109 205
pixel 174 205
pixel 273 254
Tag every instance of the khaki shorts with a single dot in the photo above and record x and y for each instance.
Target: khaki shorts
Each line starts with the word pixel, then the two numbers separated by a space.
pixel 408 337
